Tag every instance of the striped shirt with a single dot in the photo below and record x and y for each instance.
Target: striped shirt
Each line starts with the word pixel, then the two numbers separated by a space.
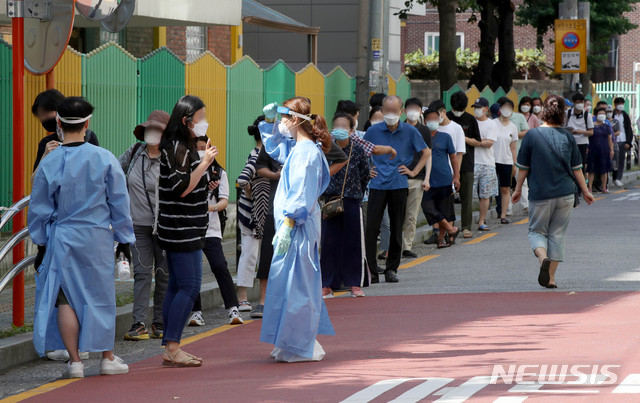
pixel 182 221
pixel 252 210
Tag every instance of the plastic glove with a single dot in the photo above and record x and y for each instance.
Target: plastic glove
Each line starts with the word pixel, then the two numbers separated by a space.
pixel 270 111
pixel 282 239
pixel 124 248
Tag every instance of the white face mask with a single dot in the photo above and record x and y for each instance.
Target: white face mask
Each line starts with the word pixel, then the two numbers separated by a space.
pixel 200 128
pixel 479 112
pixel 201 153
pixel 457 113
pixel 391 119
pixel 413 115
pixel 579 107
pixel 525 108
pixel 620 107
pixel 609 115
pixel 375 122
pixel 537 109
pixel 356 124
pixel 152 136
pixel 506 112
pixel 601 117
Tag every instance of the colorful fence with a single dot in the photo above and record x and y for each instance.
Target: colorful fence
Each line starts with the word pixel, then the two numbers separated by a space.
pixel 124 90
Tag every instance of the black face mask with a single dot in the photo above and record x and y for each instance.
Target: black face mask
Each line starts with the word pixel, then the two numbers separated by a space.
pixel 50 125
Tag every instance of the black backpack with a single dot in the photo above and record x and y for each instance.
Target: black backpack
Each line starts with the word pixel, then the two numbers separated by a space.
pixel 584 114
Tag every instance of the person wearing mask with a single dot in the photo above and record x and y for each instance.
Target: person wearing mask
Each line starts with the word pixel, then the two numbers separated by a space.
pixel 252 213
pixel 141 165
pixel 485 181
pixel 44 108
pixel 390 186
pixel 459 102
pixel 413 110
pixel 524 107
pixel 615 128
pixel 218 200
pixel 183 220
pixel 342 257
pixel 580 123
pixel 504 151
pixel 536 107
pixel 437 201
pixel 294 311
pixel 550 160
pixel 375 101
pixel 79 196
pixel 587 106
pixel 459 141
pixel 624 140
pixel 600 151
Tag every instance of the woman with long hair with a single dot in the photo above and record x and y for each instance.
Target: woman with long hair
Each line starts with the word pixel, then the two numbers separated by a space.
pixel 183 219
pixel 294 311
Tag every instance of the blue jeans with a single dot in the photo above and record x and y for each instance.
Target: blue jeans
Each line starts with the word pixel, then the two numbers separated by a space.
pixel 548 222
pixel 185 279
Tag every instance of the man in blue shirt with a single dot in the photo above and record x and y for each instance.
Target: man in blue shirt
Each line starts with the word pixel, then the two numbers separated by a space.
pixel 437 201
pixel 390 187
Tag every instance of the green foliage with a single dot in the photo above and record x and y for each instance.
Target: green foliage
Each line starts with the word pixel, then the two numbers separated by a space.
pixel 15 330
pixel 425 67
pixel 463 5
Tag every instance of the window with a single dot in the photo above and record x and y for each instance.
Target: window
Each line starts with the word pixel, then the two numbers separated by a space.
pixel 432 42
pixel 196 42
pixel 106 37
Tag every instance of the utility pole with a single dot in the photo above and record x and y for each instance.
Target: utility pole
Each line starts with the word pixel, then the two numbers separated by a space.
pixel 568 10
pixel 362 59
pixel 376 35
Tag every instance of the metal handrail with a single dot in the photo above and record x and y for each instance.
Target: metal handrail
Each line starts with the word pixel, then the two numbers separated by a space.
pixel 13 241
pixel 23 264
pixel 13 210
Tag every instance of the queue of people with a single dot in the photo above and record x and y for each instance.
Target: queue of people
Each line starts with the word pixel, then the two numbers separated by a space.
pixel 318 205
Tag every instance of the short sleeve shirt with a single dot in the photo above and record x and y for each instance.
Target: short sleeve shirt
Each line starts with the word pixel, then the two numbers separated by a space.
pixel 488 131
pixel 502 146
pixel 442 147
pixel 578 122
pixel 469 125
pixel 214 230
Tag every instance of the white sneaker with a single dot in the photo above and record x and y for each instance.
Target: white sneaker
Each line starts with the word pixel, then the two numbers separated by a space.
pixel 115 367
pixel 84 356
pixel 196 319
pixel 63 355
pixel 234 317
pixel 618 183
pixel 73 370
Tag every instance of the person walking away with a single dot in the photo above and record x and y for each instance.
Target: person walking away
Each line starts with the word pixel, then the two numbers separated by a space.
pixel 550 160
pixel 342 255
pixel 79 195
pixel 390 186
pixel 459 103
pixel 294 311
pixel 413 110
pixel 600 151
pixel 504 151
pixel 581 124
pixel 252 212
pixel 624 141
pixel 485 181
pixel 141 165
pixel 437 201
pixel 183 220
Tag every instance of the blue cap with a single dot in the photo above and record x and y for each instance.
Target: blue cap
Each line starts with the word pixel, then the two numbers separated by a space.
pixel 495 110
pixel 567 102
pixel 481 102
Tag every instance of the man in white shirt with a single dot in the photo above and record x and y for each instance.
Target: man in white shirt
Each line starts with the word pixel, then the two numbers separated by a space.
pixel 485 181
pixel 580 122
pixel 624 140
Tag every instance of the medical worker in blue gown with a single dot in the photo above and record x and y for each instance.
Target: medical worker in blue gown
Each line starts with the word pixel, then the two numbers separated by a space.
pixel 79 206
pixel 294 311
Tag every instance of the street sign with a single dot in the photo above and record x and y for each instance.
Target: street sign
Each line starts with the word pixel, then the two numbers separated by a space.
pixel 375 43
pixel 571 46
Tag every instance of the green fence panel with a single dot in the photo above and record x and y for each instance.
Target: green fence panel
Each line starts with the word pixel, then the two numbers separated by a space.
pixel 523 94
pixel 403 88
pixel 160 82
pixel 488 94
pixel 499 94
pixel 6 127
pixel 109 82
pixel 535 94
pixel 245 99
pixel 337 86
pixel 446 95
pixel 279 83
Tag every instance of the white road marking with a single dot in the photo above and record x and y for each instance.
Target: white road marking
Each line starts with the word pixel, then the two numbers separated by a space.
pixel 375 390
pixel 635 196
pixel 466 390
pixel 422 391
pixel 511 399
pixel 630 384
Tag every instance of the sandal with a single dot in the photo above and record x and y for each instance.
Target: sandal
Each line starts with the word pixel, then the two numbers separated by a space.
pixel 550 285
pixel 484 227
pixel 543 276
pixel 169 361
pixel 443 244
pixel 504 221
pixel 452 237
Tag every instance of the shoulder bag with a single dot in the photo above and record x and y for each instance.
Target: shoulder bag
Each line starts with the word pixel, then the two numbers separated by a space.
pixel 335 205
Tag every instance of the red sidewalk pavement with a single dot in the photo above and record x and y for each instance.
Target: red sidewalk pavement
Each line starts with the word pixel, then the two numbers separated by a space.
pixel 416 348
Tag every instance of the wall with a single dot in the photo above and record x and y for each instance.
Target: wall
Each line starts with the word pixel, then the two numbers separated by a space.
pixel 139 41
pixel 629 49
pixel 219 42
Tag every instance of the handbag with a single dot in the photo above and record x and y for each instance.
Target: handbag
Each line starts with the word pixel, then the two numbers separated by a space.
pixel 335 205
pixel 567 167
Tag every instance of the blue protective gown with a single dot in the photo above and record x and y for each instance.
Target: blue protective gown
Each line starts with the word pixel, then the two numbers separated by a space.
pixel 78 192
pixel 294 311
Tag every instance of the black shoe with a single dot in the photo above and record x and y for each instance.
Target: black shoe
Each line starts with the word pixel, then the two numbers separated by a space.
pixel 382 255
pixel 390 276
pixel 408 253
pixel 380 270
pixel 375 279
pixel 433 239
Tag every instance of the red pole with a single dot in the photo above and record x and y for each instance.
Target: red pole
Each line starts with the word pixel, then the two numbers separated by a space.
pixel 51 79
pixel 17 31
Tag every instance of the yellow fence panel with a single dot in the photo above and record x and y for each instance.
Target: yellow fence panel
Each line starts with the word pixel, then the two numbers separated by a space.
pixel 310 84
pixel 513 96
pixel 393 86
pixel 33 130
pixel 68 73
pixel 472 94
pixel 206 77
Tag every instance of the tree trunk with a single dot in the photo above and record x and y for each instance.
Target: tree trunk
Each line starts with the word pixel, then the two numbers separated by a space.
pixel 503 71
pixel 447 51
pixel 488 33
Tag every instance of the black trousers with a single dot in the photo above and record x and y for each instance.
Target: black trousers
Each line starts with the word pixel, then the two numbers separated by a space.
pixel 266 248
pixel 583 154
pixel 396 200
pixel 215 255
